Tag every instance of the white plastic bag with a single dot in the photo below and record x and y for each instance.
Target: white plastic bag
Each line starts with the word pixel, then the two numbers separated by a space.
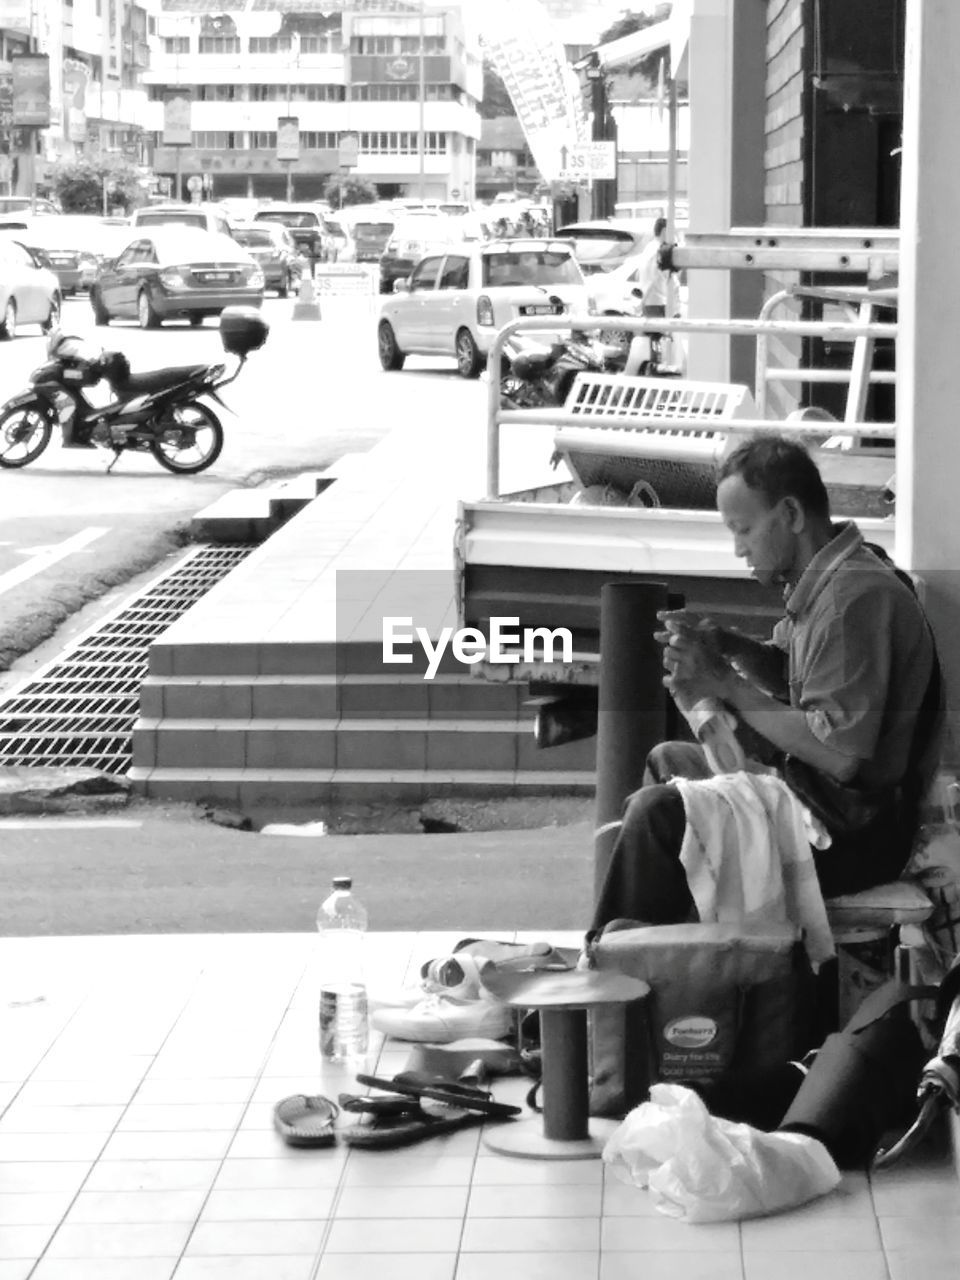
pixel 704 1169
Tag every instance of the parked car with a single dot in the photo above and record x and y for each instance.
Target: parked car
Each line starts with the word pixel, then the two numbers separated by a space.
pixel 417 232
pixel 605 244
pixel 76 245
pixel 274 250
pixel 371 236
pixel 457 299
pixel 172 273
pixel 338 242
pixel 29 291
pixel 23 204
pixel 303 221
pixel 202 217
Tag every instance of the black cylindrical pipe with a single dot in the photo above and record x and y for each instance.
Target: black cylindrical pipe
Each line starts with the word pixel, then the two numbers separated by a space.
pixel 632 701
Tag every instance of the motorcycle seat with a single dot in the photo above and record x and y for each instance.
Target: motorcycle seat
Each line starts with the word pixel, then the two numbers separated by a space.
pixel 158 379
pixel 536 361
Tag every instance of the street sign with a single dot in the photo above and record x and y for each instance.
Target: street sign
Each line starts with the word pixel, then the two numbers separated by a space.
pixel 288 138
pixel 195 182
pixel 590 160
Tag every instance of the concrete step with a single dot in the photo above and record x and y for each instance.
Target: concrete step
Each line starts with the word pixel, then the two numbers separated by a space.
pixel 252 515
pixel 434 746
pixel 246 788
pixel 353 696
pixel 216 659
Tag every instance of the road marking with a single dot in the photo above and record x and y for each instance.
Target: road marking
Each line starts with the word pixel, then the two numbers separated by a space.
pixel 14 577
pixel 67 824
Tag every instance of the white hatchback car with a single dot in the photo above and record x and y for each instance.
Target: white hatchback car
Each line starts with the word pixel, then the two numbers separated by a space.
pixel 455 301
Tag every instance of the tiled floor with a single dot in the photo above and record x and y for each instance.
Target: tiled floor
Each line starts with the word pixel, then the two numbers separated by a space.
pixel 137 1081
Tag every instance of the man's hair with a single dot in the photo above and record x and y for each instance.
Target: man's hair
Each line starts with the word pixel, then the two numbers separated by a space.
pixel 779 468
pixel 659 227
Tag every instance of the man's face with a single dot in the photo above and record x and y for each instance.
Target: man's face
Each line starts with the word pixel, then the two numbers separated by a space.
pixel 764 536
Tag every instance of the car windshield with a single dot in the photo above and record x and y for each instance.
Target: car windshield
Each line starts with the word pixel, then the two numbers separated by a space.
pixel 262 239
pixel 184 219
pixel 529 266
pixel 289 219
pixel 596 246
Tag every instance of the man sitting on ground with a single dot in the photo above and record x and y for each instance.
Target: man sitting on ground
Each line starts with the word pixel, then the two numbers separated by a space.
pixel 844 701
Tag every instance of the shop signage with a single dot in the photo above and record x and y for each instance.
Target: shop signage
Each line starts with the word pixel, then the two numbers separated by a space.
pixel 31 90
pixel 176 120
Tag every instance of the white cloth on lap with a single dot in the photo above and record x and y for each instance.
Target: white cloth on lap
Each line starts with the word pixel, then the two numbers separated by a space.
pixel 746 853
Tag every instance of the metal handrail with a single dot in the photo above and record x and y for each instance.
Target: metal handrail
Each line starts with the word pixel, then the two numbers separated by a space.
pixel 661 324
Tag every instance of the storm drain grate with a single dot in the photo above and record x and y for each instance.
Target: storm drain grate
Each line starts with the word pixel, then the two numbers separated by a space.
pixel 81 709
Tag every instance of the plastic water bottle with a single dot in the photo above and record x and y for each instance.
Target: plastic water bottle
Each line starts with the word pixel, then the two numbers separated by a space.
pixel 342 922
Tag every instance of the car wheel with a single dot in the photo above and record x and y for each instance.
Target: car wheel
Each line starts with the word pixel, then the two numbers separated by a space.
pixel 146 316
pixel 100 313
pixel 283 288
pixel 469 359
pixel 8 325
pixel 53 319
pixel 197 320
pixel 391 357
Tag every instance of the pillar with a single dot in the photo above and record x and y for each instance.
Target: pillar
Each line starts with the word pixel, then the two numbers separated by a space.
pixel 727 78
pixel 928 444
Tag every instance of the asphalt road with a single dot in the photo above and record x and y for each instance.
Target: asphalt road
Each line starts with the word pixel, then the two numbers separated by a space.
pixel 69 532
pixel 164 871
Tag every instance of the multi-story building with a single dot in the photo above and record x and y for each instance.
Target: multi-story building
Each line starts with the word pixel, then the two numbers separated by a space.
pixel 97 53
pixel 353 69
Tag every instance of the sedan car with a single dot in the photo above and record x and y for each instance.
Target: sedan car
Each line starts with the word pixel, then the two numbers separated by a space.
pixel 416 233
pixel 605 244
pixel 456 300
pixel 29 291
pixel 303 221
pixel 274 250
pixel 175 273
pixel 76 245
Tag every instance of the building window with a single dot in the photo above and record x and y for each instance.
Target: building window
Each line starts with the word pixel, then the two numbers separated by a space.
pixel 270 44
pixel 217 93
pixel 264 141
pixel 173 44
pixel 319 44
pixel 311 140
pixel 385 45
pixel 151 26
pixel 219 44
pixel 219 140
pixel 402 144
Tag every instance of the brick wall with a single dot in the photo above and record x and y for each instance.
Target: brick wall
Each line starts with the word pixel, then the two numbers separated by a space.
pixel 783 162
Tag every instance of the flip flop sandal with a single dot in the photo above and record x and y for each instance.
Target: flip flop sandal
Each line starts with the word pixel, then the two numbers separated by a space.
pixel 304 1121
pixel 385 1132
pixel 367 1105
pixel 456 1095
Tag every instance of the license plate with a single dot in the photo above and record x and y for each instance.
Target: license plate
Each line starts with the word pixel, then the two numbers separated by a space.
pixel 212 277
pixel 541 309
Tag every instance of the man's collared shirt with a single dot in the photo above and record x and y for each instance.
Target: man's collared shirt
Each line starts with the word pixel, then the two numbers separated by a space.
pixel 860 656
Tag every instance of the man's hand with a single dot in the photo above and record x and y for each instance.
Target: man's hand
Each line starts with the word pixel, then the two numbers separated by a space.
pixel 692 654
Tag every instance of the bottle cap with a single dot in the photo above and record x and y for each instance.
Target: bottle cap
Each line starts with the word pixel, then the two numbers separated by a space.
pixel 343 882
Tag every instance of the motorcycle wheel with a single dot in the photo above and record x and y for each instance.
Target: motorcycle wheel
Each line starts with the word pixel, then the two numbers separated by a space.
pixel 189 443
pixel 25 428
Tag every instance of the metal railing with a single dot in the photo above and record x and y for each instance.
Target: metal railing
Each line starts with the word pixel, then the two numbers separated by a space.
pixel 761 329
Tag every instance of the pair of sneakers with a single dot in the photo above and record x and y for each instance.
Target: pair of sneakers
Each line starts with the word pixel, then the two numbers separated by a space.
pixel 450 1002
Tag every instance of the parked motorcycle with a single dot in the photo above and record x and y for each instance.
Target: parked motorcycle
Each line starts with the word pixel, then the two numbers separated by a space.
pixel 535 375
pixel 162 412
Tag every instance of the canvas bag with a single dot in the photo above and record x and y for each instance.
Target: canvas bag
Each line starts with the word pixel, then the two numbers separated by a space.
pixel 724 997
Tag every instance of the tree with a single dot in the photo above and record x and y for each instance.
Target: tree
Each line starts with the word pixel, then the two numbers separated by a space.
pixel 341 190
pixel 79 185
pixel 629 23
pixel 496 101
